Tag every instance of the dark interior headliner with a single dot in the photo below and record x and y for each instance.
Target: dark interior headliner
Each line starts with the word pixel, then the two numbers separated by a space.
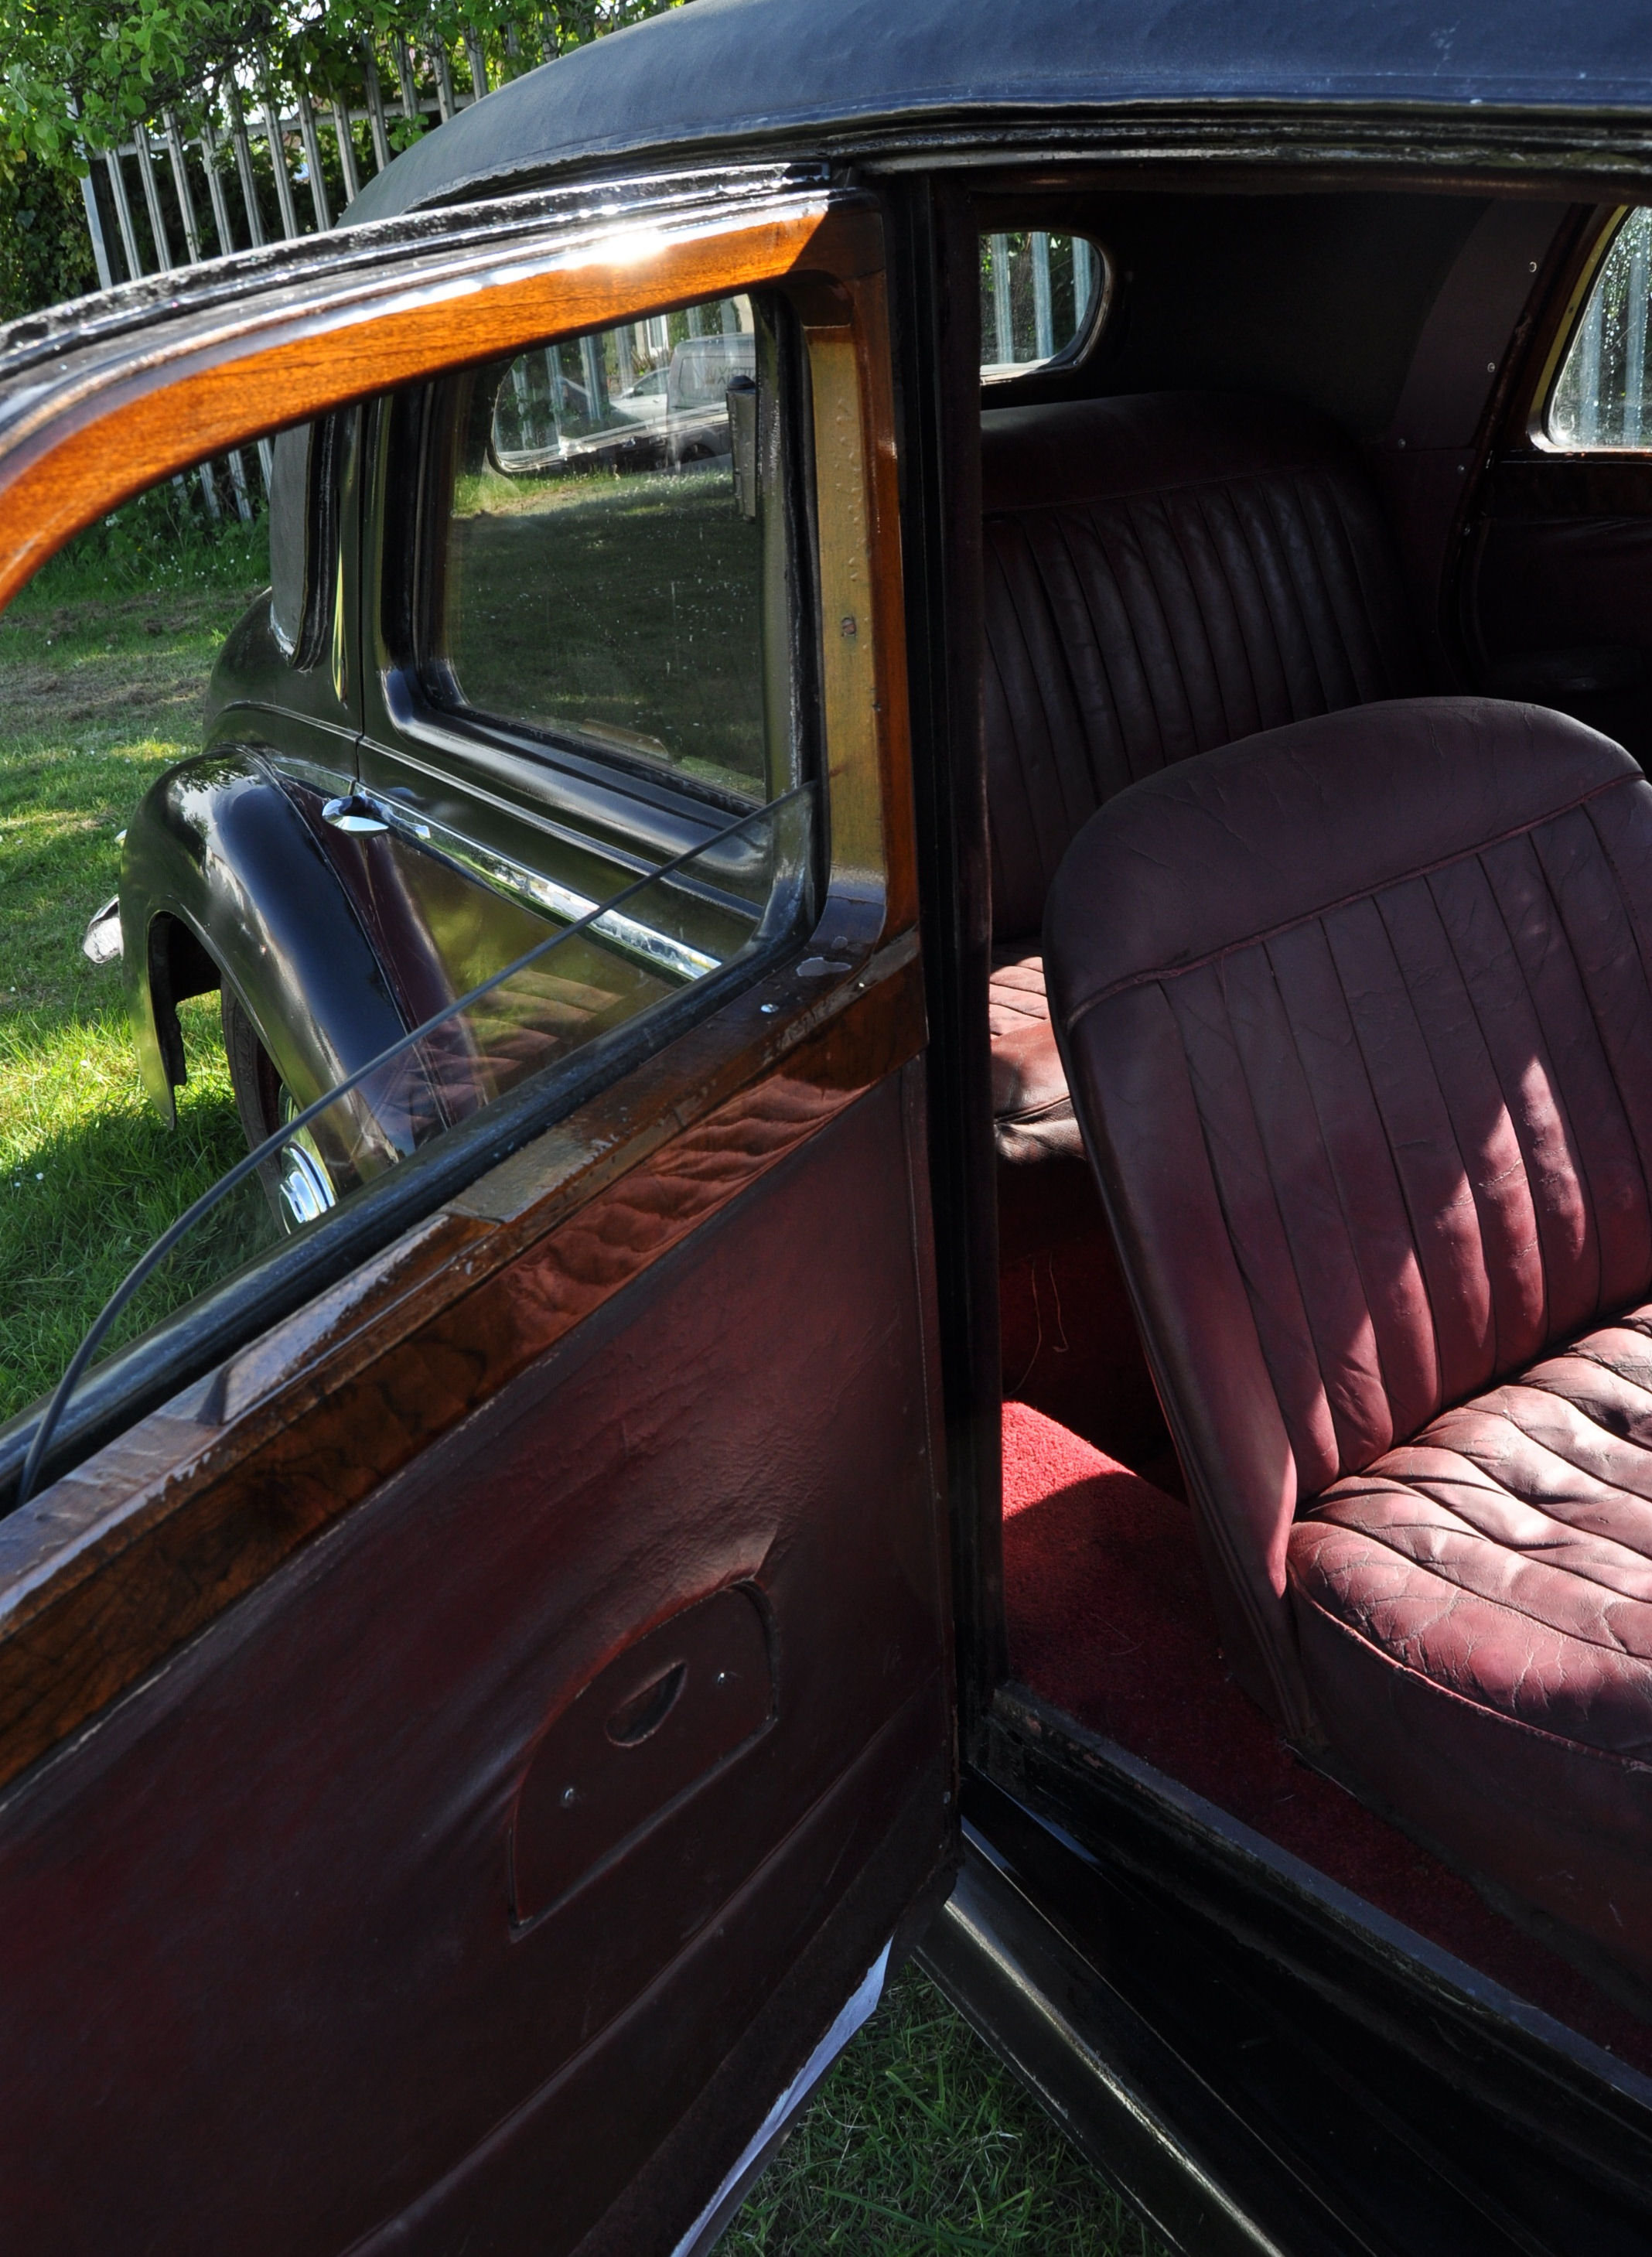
pixel 1315 298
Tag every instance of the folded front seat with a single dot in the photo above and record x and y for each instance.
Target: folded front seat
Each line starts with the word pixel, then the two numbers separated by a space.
pixel 1358 1018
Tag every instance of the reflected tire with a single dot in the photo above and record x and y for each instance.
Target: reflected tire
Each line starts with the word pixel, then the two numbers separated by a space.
pixel 296 1181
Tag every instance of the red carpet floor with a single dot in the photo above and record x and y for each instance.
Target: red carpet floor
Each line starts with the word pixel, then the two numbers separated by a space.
pixel 1109 1620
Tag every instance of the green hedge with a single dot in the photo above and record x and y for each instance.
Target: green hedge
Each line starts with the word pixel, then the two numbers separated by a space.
pixel 46 253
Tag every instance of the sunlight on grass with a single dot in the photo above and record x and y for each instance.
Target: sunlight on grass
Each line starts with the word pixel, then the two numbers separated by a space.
pixel 100 694
pixel 89 1174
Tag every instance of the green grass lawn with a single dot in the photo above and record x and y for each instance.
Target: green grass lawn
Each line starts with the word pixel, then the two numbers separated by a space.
pixel 919 2139
pixel 100 688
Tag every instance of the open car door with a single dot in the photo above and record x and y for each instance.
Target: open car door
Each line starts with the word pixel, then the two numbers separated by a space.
pixel 474 1695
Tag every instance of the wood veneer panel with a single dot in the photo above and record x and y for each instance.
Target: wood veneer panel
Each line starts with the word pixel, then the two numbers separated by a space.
pixel 120 1562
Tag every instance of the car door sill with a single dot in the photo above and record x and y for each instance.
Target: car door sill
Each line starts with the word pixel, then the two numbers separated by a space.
pixel 1165 2138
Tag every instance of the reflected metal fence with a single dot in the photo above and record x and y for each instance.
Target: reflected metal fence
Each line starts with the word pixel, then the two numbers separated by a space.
pixel 1021 326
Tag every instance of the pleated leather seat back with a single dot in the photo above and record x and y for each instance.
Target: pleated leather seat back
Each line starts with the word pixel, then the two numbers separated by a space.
pixel 1357 1020
pixel 1165 574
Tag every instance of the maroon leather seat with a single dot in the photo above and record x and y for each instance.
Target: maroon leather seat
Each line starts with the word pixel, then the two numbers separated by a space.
pixel 1359 1017
pixel 1164 574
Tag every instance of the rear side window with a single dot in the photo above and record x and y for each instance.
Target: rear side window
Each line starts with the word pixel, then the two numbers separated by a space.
pixel 610 523
pixel 1600 400
pixel 303 536
pixel 1043 297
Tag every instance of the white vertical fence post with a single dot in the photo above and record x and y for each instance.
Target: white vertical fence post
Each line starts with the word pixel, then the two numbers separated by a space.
pixel 1083 280
pixel 181 188
pixel 1589 391
pixel 277 141
pixel 95 226
pixel 124 213
pixel 152 198
pixel 311 142
pixel 447 102
pixel 375 94
pixel 346 149
pixel 1639 232
pixel 244 166
pixel 215 187
pixel 1043 315
pixel 1003 318
pixel 405 78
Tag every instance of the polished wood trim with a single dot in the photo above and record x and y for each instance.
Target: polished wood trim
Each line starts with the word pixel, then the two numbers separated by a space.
pixel 113 418
pixel 121 1562
pixel 848 621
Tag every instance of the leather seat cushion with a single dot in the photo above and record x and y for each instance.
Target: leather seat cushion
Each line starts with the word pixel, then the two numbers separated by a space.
pixel 1032 1112
pixel 1475 1617
pixel 1358 1021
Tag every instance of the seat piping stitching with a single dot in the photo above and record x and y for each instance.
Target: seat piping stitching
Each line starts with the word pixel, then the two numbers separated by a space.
pixel 1155 974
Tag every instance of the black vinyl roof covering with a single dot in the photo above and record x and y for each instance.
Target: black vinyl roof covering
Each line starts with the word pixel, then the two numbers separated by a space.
pixel 717 72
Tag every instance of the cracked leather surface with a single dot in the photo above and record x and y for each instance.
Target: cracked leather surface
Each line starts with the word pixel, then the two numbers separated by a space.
pixel 1360 1020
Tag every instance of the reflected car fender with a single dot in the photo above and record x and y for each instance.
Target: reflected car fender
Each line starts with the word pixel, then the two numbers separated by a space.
pixel 222 878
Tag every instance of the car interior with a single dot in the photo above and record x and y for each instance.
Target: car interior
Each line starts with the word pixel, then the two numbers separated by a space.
pixel 1314 564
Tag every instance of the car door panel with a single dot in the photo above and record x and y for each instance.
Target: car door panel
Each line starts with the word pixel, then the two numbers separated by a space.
pixel 282 1871
pixel 290 1667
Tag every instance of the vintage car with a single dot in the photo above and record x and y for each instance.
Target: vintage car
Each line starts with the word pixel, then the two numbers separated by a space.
pixel 965 1102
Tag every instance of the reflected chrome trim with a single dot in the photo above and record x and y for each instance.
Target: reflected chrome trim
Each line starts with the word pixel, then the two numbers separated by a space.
pixel 659 951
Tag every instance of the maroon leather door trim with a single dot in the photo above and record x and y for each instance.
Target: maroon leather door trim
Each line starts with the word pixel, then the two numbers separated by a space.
pixel 260 1988
pixel 681 1701
pixel 117 1565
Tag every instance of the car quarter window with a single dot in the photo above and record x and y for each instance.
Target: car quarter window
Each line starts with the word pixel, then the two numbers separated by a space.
pixel 604 513
pixel 1601 399
pixel 1043 299
pixel 303 534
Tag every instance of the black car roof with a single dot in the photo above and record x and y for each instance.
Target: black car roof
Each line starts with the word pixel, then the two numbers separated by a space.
pixel 721 72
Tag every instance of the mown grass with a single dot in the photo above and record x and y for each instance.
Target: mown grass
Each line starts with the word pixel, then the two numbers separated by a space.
pixel 103 666
pixel 921 2140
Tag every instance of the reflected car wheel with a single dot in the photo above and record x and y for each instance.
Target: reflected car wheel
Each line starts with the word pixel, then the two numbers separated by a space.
pixel 297 1181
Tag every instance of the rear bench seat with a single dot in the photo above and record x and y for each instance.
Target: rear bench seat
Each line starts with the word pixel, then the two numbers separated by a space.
pixel 1164 574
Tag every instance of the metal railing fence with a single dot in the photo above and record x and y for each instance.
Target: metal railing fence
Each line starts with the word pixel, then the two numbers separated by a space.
pixel 257 162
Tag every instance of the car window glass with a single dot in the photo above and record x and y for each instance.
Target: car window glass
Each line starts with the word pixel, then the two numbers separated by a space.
pixel 1041 295
pixel 1600 400
pixel 216 936
pixel 602 558
pixel 288 519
